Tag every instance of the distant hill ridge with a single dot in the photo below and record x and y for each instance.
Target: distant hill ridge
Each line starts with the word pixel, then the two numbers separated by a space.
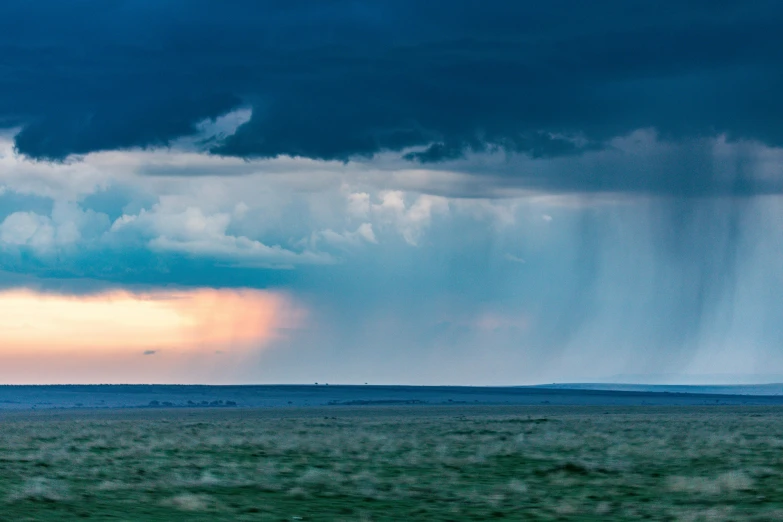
pixel 711 389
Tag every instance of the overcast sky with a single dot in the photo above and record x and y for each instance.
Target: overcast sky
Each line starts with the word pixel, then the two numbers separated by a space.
pixel 396 191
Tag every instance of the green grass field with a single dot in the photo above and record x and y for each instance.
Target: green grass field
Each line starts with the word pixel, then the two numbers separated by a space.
pixel 414 463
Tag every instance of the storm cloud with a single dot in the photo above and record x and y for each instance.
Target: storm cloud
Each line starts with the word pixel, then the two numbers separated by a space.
pixel 340 79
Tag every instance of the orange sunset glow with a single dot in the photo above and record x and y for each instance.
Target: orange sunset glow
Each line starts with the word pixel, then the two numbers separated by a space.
pixel 109 337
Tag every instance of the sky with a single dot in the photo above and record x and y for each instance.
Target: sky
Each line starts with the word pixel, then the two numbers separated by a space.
pixel 391 192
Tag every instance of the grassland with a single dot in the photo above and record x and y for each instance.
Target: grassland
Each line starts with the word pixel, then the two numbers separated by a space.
pixel 415 463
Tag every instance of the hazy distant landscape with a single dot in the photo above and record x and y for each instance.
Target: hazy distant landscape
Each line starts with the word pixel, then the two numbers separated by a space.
pixel 276 396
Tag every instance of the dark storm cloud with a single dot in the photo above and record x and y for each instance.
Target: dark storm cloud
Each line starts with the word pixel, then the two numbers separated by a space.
pixel 338 79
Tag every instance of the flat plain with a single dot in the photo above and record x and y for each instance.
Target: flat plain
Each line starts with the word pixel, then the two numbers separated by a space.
pixel 416 462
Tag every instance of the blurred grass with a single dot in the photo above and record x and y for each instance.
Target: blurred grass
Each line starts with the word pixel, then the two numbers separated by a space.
pixel 415 463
